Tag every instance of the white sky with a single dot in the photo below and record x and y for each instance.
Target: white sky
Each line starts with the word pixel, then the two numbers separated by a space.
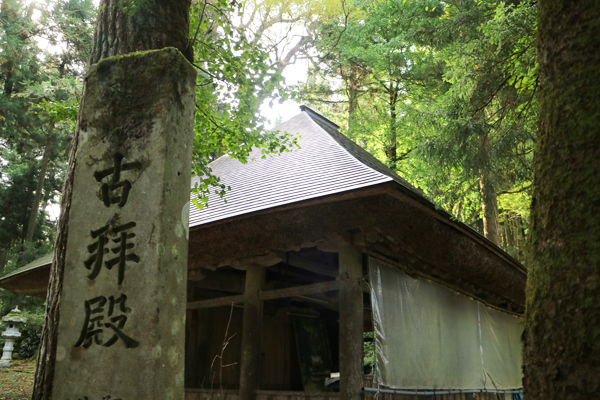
pixel 293 74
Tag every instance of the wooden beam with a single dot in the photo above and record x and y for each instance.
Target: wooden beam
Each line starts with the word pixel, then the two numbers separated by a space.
pixel 351 323
pixel 299 290
pixel 267 295
pixel 298 261
pixel 218 302
pixel 223 281
pixel 294 291
pixel 251 329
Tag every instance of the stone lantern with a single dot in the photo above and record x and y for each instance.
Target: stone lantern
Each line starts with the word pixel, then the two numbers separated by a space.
pixel 14 322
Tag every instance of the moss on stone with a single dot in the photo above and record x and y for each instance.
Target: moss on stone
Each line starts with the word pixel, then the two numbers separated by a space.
pixel 105 64
pixel 123 90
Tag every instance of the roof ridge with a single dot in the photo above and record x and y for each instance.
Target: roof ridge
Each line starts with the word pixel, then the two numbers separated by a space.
pixel 38 262
pixel 331 133
pixel 356 151
pixel 320 117
pixel 322 166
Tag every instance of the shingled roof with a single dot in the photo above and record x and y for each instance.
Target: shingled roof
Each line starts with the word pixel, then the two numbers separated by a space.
pixel 31 279
pixel 326 163
pixel 332 185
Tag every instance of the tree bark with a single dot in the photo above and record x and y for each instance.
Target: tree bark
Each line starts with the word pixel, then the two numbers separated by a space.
pixel 40 185
pixel 157 24
pixel 489 210
pixel 562 327
pixel 44 374
pixel 391 151
pixel 489 198
pixel 352 103
pixel 3 257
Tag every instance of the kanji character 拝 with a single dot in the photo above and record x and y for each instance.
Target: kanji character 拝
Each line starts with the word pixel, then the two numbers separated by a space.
pixel 99 249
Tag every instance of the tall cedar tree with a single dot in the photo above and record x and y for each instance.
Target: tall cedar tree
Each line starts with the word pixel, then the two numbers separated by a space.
pixel 562 329
pixel 28 77
pixel 154 25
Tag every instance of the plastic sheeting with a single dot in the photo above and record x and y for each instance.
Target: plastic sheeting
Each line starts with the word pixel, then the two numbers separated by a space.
pixel 430 337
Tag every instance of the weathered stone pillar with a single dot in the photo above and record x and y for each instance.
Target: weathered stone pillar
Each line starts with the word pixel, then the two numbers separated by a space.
pixel 122 311
pixel 351 323
pixel 251 332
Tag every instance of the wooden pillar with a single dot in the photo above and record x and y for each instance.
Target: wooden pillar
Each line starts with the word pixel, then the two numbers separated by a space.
pixel 351 323
pixel 190 339
pixel 251 333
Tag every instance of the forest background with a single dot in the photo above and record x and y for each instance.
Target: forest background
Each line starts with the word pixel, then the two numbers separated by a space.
pixel 444 93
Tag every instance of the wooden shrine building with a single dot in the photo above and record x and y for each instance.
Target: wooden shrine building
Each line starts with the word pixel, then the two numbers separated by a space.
pixel 281 289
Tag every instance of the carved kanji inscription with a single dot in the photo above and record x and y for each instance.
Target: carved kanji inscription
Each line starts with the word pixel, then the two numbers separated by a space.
pixel 99 318
pixel 116 190
pixel 111 239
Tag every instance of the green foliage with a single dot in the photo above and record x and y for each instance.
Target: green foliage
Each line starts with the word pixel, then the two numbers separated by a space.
pixel 234 78
pixel 38 105
pixel 17 382
pixel 483 126
pixel 31 333
pixel 443 92
pixel 38 101
pixel 369 349
pixel 26 346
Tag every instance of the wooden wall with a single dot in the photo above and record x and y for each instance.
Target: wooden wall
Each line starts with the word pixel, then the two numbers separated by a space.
pixel 279 365
pixel 206 343
pixel 280 371
pixel 205 339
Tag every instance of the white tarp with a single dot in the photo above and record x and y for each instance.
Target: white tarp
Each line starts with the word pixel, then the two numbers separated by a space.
pixel 430 337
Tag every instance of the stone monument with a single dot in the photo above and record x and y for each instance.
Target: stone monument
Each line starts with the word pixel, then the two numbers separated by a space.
pixel 122 311
pixel 13 322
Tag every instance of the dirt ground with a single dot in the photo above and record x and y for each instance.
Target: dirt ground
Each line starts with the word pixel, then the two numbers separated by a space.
pixel 16 383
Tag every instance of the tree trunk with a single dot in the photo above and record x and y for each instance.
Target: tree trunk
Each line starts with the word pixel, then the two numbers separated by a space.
pixel 157 24
pixel 562 327
pixel 8 17
pixel 40 185
pixel 352 103
pixel 391 151
pixel 489 198
pixel 3 259
pixel 489 210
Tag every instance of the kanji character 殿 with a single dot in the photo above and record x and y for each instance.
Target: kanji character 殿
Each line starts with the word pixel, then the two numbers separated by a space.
pixel 98 320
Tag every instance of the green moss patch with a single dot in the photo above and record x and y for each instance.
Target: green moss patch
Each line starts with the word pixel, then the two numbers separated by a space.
pixel 16 383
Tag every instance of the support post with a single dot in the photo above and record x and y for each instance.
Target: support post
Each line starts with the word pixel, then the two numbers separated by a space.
pixel 351 323
pixel 251 333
